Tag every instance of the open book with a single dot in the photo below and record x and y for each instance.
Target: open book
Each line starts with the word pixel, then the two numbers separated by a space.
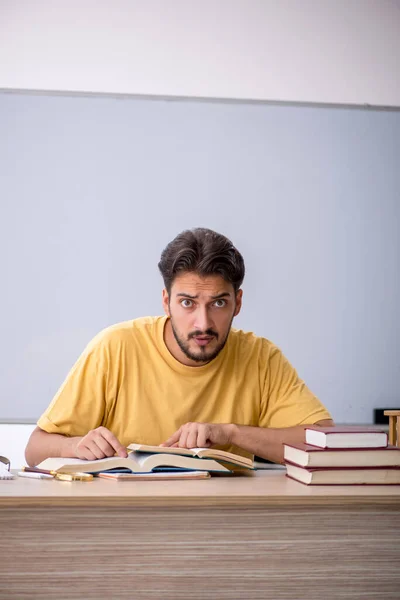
pixel 220 455
pixel 140 461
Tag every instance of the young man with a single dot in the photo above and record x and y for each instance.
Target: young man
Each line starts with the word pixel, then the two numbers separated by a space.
pixel 186 379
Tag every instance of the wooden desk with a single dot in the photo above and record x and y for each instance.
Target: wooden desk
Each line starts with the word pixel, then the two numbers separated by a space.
pixel 251 537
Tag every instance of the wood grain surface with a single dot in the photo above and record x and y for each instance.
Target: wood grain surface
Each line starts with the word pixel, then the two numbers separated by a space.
pixel 254 553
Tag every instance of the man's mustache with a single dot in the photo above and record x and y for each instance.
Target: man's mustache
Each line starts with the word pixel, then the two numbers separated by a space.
pixel 208 332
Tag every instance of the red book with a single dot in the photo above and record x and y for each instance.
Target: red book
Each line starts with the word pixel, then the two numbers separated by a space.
pixel 346 437
pixel 344 475
pixel 305 455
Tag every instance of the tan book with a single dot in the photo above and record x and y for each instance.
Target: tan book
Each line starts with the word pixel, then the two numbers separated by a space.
pixel 214 453
pixel 141 461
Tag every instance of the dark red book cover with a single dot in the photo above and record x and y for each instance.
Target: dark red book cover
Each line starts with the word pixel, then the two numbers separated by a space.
pixel 336 484
pixel 347 429
pixel 309 448
pixel 311 469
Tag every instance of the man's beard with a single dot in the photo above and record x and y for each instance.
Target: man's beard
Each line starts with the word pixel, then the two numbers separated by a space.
pixel 203 355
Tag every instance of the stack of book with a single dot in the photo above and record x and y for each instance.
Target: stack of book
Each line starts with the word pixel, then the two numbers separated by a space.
pixel 343 456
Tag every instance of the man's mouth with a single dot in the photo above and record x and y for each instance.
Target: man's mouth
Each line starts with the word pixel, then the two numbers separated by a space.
pixel 203 340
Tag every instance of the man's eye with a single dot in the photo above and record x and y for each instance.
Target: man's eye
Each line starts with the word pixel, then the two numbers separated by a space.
pixel 186 303
pixel 220 303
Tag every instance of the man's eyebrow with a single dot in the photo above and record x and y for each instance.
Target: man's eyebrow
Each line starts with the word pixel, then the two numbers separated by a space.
pixel 223 295
pixel 185 295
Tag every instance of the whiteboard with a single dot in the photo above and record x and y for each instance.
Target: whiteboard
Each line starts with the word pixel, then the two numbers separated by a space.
pixel 92 188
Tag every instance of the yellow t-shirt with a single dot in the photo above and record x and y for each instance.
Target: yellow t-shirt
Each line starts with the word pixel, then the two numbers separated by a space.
pixel 128 381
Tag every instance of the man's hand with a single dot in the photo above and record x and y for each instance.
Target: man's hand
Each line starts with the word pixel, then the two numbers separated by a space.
pixel 201 435
pixel 99 443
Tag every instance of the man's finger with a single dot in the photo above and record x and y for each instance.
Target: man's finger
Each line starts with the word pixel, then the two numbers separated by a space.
pixel 95 449
pixel 182 442
pixel 88 447
pixel 85 454
pixel 114 442
pixel 192 438
pixel 202 437
pixel 173 439
pixel 104 446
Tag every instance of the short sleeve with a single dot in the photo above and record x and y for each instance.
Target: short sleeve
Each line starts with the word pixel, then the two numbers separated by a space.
pixel 286 400
pixel 80 403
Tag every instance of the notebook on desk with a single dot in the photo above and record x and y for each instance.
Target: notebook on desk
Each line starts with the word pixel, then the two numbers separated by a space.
pixel 158 476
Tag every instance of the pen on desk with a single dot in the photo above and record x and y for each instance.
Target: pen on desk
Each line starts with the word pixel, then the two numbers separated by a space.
pixel 59 474
pixel 36 470
pixel 35 475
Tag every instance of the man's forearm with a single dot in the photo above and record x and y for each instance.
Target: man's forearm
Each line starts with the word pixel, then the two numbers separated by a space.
pixel 260 441
pixel 41 445
pixel 266 443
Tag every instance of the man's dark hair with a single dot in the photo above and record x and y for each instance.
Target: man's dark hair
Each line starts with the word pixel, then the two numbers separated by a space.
pixel 204 252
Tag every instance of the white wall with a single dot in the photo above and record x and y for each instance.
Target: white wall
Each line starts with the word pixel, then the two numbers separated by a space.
pixel 324 51
pixel 13 439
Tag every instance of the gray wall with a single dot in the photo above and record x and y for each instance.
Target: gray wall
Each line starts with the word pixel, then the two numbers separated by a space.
pixel 93 188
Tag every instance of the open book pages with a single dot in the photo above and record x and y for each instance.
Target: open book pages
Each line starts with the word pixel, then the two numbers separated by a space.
pixel 220 455
pixel 137 462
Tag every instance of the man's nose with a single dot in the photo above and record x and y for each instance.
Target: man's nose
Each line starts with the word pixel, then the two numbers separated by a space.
pixel 203 320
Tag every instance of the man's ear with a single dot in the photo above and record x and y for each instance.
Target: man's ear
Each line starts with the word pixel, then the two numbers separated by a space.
pixel 165 301
pixel 239 297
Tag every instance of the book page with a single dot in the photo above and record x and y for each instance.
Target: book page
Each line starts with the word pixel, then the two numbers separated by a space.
pixel 161 449
pixel 199 452
pixel 223 455
pixel 71 465
pixel 152 460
